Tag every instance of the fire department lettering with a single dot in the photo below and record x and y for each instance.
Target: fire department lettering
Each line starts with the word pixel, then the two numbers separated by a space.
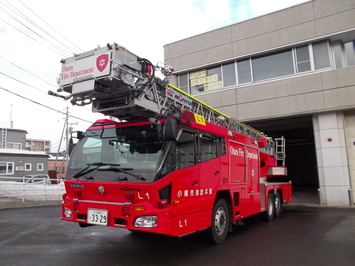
pixel 241 153
pixel 194 192
pixel 74 74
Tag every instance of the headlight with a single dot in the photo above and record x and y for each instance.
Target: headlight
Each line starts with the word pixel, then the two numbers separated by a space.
pixel 149 221
pixel 67 213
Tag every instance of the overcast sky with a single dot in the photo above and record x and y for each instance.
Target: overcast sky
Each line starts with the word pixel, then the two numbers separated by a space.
pixel 36 34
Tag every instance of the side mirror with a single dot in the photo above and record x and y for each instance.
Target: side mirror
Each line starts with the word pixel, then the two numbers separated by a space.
pixel 79 135
pixel 71 145
pixel 169 129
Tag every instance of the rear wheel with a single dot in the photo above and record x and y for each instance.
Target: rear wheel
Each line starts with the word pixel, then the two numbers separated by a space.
pixel 278 204
pixel 269 214
pixel 220 223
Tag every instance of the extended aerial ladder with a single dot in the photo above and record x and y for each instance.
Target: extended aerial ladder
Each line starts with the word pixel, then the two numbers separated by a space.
pixel 122 85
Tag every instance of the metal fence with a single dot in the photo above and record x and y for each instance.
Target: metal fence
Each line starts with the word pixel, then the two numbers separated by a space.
pixel 21 192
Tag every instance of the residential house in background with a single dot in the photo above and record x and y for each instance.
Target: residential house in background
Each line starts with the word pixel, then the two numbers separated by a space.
pixel 15 160
pixel 58 164
pixel 38 145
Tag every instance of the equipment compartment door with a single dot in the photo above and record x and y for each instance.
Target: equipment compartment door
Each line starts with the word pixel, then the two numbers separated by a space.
pixel 237 162
pixel 253 197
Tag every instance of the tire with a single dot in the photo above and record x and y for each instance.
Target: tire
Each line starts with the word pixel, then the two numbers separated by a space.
pixel 217 233
pixel 270 213
pixel 277 204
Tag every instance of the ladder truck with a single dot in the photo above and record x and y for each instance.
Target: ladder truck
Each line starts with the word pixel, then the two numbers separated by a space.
pixel 162 161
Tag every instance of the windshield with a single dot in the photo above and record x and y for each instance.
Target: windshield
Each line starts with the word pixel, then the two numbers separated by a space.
pixel 122 153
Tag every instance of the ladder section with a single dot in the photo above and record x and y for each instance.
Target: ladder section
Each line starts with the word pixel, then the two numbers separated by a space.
pixel 183 100
pixel 280 153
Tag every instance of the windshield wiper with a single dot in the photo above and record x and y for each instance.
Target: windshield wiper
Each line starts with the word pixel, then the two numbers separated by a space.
pixel 86 170
pixel 124 170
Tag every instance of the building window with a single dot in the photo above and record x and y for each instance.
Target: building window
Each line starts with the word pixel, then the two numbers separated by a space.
pixel 7 168
pixel 244 71
pixel 28 167
pixel 40 167
pixel 303 60
pixel 337 54
pixel 321 55
pixel 349 51
pixel 300 59
pixel 272 66
pixel 206 80
pixel 229 77
pixel 183 83
pixel 13 145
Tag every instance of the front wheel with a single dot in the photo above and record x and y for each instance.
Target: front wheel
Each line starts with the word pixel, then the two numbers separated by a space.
pixel 220 223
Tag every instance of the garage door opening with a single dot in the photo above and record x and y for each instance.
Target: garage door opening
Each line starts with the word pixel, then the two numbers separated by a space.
pixel 301 159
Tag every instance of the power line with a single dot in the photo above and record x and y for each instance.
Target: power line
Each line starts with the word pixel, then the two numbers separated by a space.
pixel 33 38
pixel 24 17
pixel 52 28
pixel 27 71
pixel 42 104
pixel 33 87
pixel 22 82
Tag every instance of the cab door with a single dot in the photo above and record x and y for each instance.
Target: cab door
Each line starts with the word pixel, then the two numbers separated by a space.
pixel 186 177
pixel 210 168
pixel 186 185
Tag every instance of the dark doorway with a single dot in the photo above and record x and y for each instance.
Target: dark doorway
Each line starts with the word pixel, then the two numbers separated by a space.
pixel 301 159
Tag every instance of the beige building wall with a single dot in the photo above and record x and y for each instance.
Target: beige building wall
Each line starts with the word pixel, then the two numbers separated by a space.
pixel 325 94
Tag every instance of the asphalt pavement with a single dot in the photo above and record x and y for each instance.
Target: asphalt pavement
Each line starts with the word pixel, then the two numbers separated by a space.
pixel 302 235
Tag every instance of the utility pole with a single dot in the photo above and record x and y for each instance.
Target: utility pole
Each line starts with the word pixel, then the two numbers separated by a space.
pixel 67 136
pixel 11 122
pixel 67 130
pixel 60 144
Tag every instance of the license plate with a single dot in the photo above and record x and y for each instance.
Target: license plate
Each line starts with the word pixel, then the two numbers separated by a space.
pixel 96 216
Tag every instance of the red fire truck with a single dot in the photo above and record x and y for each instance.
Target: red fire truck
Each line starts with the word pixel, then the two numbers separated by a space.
pixel 172 164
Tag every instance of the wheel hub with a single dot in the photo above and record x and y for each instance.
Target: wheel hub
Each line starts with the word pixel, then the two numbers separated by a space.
pixel 220 221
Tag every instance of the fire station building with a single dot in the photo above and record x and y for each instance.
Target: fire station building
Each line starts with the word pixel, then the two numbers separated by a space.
pixel 289 73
